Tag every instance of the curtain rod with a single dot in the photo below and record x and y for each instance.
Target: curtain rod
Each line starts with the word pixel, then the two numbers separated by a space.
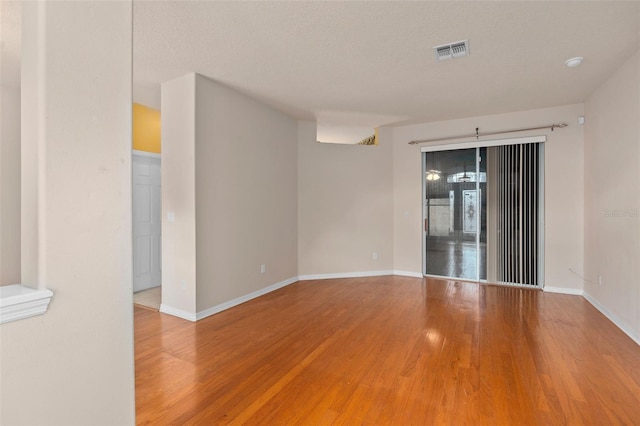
pixel 477 134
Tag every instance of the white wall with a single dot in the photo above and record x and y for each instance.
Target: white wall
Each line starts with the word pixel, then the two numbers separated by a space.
pixel 32 95
pixel 229 173
pixel 10 185
pixel 563 190
pixel 345 205
pixel 246 194
pixel 9 149
pixel 178 194
pixel 612 198
pixel 74 365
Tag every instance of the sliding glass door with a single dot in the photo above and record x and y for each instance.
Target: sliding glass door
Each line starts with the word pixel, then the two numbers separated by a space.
pixel 455 214
pixel 483 213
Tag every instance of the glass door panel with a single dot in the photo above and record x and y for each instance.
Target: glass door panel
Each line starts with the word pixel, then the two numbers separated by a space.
pixel 455 218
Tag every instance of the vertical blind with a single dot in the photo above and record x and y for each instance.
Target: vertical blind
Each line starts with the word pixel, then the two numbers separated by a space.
pixel 518 213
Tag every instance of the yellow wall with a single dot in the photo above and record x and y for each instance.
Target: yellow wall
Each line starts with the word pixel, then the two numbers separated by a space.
pixel 146 129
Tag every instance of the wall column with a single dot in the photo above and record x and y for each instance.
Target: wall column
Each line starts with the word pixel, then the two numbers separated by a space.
pixel 74 364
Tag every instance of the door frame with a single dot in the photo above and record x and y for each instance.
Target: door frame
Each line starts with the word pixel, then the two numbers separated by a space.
pixel 144 157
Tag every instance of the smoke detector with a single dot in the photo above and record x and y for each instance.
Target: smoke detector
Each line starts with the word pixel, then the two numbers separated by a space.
pixel 574 62
pixel 452 50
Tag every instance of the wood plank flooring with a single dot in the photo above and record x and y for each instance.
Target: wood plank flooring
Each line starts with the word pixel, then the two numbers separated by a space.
pixel 389 350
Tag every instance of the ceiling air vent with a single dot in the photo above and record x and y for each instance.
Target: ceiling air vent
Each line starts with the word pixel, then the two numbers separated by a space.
pixel 452 50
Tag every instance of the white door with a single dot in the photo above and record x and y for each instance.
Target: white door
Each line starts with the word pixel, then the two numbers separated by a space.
pixel 146 221
pixel 439 217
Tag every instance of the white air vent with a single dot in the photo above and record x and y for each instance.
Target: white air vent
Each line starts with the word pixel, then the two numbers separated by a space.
pixel 452 50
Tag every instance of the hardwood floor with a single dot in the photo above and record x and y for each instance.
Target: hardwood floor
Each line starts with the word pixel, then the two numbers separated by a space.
pixel 389 350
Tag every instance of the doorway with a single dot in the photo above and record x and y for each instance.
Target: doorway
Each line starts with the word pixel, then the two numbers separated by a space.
pixel 147 232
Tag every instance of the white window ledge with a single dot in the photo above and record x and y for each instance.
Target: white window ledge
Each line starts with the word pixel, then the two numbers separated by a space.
pixel 18 302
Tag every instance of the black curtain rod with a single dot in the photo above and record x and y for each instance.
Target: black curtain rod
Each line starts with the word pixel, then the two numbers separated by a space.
pixel 477 134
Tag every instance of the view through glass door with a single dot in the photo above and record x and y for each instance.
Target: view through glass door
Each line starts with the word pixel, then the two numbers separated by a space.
pixel 455 206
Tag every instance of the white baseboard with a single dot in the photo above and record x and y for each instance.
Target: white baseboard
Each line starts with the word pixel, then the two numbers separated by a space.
pixel 242 299
pixel 166 309
pixel 622 325
pixel 408 274
pixel 563 290
pixel 344 275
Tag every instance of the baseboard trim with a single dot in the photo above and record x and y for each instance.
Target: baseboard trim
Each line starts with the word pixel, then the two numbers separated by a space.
pixel 242 299
pixel 622 325
pixel 408 274
pixel 344 275
pixel 166 309
pixel 563 290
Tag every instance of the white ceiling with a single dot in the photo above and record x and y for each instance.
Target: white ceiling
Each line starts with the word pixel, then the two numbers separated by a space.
pixel 371 63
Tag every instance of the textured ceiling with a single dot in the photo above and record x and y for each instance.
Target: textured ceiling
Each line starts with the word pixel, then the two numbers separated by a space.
pixel 372 63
